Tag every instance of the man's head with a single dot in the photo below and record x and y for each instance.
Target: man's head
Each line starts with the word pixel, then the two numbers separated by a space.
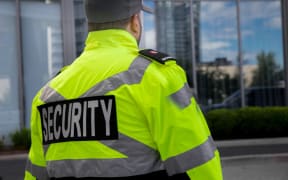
pixel 115 14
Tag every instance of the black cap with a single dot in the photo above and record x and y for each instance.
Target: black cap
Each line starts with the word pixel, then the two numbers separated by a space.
pixel 102 11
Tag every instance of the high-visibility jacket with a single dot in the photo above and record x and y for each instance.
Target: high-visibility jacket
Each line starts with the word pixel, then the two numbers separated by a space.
pixel 118 113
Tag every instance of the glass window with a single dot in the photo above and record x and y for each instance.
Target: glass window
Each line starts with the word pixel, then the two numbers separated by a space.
pixel 9 107
pixel 263 67
pixel 42 45
pixel 148 39
pixel 217 71
pixel 173 31
pixel 81 28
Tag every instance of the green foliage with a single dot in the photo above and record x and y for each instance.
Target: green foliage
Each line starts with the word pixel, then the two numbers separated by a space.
pixel 1 144
pixel 215 84
pixel 268 72
pixel 21 138
pixel 249 122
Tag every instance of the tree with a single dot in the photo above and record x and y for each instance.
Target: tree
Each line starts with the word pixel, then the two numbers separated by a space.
pixel 268 72
pixel 215 85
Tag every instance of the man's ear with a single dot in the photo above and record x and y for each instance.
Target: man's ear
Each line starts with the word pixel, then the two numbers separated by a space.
pixel 135 25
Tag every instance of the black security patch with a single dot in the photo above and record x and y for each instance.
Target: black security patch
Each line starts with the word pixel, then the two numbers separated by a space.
pixel 156 55
pixel 91 118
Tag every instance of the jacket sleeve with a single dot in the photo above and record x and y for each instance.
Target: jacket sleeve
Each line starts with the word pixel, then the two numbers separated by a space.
pixel 36 164
pixel 180 129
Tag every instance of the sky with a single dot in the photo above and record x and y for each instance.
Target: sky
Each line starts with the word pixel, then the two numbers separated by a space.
pixel 4 89
pixel 149 35
pixel 260 24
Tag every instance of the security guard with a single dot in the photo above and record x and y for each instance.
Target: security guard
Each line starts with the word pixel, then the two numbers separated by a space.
pixel 119 113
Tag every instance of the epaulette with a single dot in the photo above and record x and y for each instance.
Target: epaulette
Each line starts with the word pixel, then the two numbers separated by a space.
pixel 156 55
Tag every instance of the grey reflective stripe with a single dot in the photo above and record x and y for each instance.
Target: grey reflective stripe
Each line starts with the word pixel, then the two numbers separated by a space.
pixel 132 76
pixel 37 171
pixel 93 168
pixel 121 144
pixel 50 95
pixel 191 159
pixel 141 160
pixel 183 96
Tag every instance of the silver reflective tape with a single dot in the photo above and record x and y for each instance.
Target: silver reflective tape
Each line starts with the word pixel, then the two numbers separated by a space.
pixel 191 159
pixel 132 76
pixel 130 166
pixel 141 159
pixel 50 95
pixel 183 97
pixel 36 171
pixel 124 141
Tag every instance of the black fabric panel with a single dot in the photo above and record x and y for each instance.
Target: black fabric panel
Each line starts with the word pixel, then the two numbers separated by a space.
pixel 161 175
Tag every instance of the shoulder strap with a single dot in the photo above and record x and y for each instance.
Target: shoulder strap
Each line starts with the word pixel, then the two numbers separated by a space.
pixel 156 55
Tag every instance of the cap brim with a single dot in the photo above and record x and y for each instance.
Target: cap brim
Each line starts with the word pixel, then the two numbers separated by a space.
pixel 147 9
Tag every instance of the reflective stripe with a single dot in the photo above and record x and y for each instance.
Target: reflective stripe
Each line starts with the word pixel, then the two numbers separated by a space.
pixel 140 160
pixel 191 159
pixel 50 95
pixel 36 171
pixel 132 76
pixel 101 168
pixel 121 144
pixel 183 96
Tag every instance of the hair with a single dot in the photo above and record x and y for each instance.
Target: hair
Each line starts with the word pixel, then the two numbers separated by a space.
pixel 120 24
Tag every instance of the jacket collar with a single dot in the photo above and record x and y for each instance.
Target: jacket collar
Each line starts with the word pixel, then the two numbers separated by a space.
pixel 110 38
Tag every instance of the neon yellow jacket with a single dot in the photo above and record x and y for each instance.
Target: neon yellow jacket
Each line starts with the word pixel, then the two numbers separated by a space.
pixel 151 124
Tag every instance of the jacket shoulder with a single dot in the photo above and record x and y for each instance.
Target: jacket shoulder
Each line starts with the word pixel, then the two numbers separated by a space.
pixel 156 55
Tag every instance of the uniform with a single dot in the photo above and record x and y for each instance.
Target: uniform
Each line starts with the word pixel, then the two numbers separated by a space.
pixel 117 112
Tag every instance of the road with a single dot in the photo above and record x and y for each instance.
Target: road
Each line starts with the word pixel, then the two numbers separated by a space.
pixel 259 167
pixel 245 160
pixel 12 167
pixel 255 159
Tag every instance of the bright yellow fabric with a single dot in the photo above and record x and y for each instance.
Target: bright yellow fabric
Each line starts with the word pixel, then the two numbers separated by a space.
pixel 99 56
pixel 211 170
pixel 71 150
pixel 28 176
pixel 36 153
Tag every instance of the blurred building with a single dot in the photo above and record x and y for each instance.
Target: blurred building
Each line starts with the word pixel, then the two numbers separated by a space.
pixel 176 28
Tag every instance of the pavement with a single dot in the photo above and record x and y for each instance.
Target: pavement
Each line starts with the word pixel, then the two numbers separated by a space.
pixel 243 147
pixel 254 159
pixel 251 159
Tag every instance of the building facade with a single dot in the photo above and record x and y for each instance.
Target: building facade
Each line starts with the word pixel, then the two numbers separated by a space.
pixel 225 46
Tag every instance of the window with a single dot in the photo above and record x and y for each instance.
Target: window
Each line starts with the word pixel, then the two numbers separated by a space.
pixel 42 45
pixel 261 31
pixel 9 107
